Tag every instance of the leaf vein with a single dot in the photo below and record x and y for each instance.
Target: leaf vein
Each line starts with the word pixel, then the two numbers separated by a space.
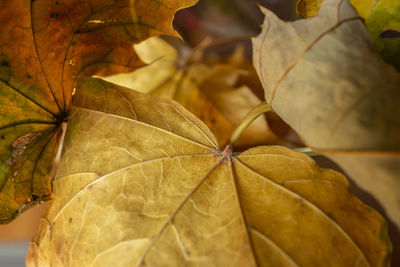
pixel 311 205
pixel 297 60
pixel 151 126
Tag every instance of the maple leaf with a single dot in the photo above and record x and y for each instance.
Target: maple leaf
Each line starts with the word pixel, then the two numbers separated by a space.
pixel 209 92
pixel 45 46
pixel 327 69
pixel 381 19
pixel 142 182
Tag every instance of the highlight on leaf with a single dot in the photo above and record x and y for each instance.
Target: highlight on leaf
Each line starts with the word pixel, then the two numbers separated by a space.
pixel 142 182
pixel 45 47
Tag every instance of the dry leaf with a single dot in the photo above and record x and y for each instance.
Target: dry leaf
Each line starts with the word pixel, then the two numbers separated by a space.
pixel 209 92
pixel 45 46
pixel 323 76
pixel 142 182
pixel 382 19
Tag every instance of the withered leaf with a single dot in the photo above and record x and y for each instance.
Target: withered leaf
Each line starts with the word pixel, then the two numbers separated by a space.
pixel 324 77
pixel 209 91
pixel 381 17
pixel 45 46
pixel 142 182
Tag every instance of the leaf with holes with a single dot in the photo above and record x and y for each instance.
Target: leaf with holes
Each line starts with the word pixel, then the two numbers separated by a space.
pixel 327 69
pixel 143 182
pixel 382 19
pixel 45 46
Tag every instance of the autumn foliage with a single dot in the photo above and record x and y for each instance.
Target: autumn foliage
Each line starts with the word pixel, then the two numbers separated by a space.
pixel 160 166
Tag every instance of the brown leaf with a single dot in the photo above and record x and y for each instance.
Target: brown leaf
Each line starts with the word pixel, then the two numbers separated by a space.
pixel 381 18
pixel 208 91
pixel 45 46
pixel 324 77
pixel 142 182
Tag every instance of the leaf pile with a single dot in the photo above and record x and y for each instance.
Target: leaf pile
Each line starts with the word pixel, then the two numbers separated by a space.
pixel 210 91
pixel 327 69
pixel 45 47
pixel 143 182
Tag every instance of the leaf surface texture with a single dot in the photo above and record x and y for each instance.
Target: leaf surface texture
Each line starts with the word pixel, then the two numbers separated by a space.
pixel 142 182
pixel 327 69
pixel 45 46
pixel 382 19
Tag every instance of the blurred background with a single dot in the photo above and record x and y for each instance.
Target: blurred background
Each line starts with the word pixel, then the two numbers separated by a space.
pixel 209 19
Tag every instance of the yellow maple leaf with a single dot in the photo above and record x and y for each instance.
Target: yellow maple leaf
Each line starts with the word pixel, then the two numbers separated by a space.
pixel 142 182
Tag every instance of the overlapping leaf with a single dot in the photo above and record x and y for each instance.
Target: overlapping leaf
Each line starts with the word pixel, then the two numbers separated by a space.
pixel 209 92
pixel 382 18
pixel 45 46
pixel 142 182
pixel 327 69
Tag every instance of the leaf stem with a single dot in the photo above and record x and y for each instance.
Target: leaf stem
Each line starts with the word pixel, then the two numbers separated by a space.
pixel 250 117
pixel 306 150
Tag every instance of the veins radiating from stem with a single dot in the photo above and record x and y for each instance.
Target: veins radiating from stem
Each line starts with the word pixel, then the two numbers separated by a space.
pixel 239 203
pixel 62 111
pixel 224 155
